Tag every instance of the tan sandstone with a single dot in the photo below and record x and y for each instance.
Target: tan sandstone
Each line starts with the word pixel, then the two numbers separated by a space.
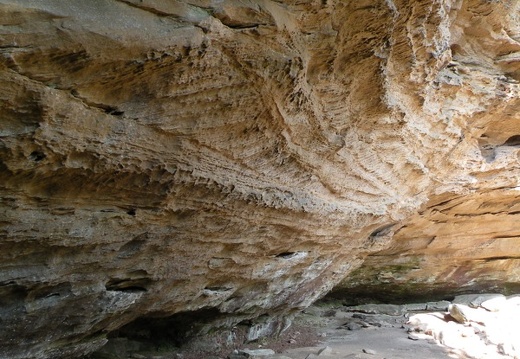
pixel 226 161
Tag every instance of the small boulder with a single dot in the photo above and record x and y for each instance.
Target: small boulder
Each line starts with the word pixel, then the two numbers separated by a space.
pixel 413 336
pixel 353 326
pixel 459 313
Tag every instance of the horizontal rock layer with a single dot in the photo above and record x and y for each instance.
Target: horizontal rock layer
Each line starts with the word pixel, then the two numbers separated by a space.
pixel 465 244
pixel 238 159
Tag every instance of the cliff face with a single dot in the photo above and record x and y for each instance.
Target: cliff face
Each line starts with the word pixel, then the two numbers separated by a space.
pixel 240 158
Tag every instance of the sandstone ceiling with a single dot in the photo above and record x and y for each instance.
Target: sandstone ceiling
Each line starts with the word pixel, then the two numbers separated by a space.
pixel 243 157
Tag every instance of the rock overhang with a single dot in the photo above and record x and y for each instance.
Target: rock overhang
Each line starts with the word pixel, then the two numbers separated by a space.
pixel 161 158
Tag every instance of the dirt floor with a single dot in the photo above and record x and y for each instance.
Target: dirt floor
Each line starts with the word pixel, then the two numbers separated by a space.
pixel 345 332
pixel 326 330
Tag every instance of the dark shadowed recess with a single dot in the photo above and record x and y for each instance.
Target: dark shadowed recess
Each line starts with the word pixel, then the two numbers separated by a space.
pixel 191 332
pixel 175 329
pixel 405 293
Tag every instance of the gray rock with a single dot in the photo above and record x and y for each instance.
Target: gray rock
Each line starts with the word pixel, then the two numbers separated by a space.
pixel 249 353
pixel 360 316
pixel 415 307
pixel 438 306
pixel 369 351
pixel 342 315
pixel 354 326
pixel 413 336
pixel 474 300
pixel 267 327
pixel 388 309
pixel 374 324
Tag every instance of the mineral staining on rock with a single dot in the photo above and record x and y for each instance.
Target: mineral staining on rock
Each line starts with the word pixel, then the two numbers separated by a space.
pixel 238 159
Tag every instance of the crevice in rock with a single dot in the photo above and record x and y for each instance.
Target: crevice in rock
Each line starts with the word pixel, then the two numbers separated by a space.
pixel 128 285
pixel 285 255
pixel 500 258
pixel 58 290
pixel 506 237
pixel 382 231
pixel 105 108
pixel 37 156
pixel 513 141
pixel 292 255
pixel 114 111
pixel 4 284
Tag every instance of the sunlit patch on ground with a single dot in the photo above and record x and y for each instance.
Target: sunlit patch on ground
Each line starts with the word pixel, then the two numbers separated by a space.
pixel 481 327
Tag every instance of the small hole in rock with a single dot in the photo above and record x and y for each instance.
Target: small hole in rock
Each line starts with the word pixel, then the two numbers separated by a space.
pixel 128 285
pixel 285 255
pixel 37 156
pixel 513 141
pixel 131 289
pixel 131 212
pixel 114 111
pixel 382 231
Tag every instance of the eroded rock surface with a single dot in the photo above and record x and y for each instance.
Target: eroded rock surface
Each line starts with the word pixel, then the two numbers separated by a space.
pixel 237 159
pixel 464 239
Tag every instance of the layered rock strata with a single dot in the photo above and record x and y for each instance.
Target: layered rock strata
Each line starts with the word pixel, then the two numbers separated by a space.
pixel 468 243
pixel 237 159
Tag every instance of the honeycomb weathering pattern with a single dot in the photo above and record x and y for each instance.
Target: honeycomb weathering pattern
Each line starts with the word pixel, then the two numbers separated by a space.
pixel 164 157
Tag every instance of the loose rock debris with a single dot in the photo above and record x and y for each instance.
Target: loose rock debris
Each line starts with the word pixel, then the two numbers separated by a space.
pixel 470 326
pixel 481 328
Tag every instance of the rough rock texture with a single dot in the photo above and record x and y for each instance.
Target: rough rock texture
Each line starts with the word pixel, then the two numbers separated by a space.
pixel 232 159
pixel 468 243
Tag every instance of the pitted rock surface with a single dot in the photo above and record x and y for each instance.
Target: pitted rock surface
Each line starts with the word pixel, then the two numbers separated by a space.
pixel 217 162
